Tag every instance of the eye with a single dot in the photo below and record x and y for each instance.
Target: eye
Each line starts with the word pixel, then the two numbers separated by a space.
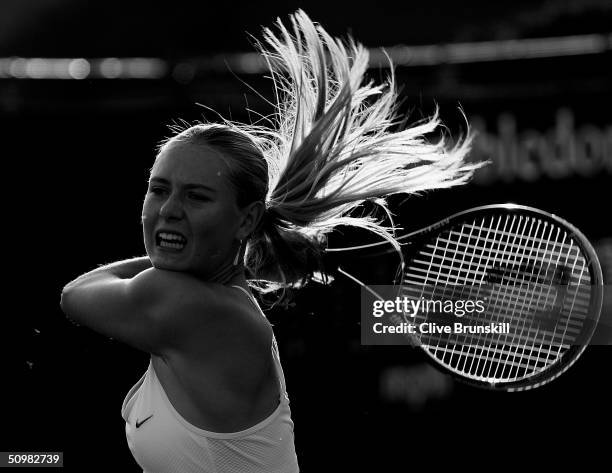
pixel 157 190
pixel 199 197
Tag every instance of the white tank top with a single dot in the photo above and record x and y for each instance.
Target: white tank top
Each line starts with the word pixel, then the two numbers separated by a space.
pixel 162 441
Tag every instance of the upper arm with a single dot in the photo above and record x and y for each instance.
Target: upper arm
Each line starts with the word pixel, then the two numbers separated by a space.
pixel 147 311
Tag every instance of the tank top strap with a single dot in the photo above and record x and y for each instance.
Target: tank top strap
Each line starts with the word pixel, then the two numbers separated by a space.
pixel 275 352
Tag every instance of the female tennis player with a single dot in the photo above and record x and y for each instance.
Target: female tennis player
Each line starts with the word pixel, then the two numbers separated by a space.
pixel 231 207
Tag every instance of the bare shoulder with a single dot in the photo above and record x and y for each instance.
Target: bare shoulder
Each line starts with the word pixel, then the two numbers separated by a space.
pixel 168 283
pixel 210 315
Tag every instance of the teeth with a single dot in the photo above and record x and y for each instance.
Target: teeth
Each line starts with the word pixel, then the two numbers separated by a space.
pixel 176 246
pixel 171 237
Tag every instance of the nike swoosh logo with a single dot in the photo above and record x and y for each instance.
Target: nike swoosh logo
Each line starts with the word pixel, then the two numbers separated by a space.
pixel 138 424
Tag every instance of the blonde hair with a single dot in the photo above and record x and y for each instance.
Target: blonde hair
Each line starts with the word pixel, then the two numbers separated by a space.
pixel 333 143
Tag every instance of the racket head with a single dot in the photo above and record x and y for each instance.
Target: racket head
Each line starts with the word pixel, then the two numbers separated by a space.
pixel 516 251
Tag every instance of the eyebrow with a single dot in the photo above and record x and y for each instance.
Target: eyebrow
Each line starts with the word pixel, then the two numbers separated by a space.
pixel 161 180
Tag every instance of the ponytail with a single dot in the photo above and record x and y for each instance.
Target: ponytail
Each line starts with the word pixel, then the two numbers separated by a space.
pixel 335 148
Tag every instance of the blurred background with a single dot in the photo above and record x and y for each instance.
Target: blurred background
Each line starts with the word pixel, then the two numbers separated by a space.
pixel 87 90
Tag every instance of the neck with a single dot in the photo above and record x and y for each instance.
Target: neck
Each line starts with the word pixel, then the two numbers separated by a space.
pixel 227 274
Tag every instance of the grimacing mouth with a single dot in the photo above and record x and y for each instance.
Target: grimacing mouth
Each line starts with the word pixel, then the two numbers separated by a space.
pixel 170 239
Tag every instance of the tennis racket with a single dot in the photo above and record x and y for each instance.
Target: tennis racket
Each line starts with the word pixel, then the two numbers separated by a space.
pixel 538 277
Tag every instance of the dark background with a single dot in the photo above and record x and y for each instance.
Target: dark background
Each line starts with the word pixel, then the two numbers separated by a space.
pixel 76 155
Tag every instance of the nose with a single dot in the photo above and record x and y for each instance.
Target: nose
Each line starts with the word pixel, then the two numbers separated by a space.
pixel 172 209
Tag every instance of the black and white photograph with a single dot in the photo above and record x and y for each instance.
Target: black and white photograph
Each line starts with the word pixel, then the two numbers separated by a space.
pixel 282 237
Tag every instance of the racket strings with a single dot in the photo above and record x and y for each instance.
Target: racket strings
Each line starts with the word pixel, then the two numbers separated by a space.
pixel 519 264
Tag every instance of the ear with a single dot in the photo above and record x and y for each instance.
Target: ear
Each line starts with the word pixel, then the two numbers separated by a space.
pixel 251 215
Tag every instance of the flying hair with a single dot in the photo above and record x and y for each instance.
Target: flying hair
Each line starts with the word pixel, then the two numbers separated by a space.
pixel 334 141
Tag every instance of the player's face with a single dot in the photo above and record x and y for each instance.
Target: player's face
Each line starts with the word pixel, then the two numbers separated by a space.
pixel 190 215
